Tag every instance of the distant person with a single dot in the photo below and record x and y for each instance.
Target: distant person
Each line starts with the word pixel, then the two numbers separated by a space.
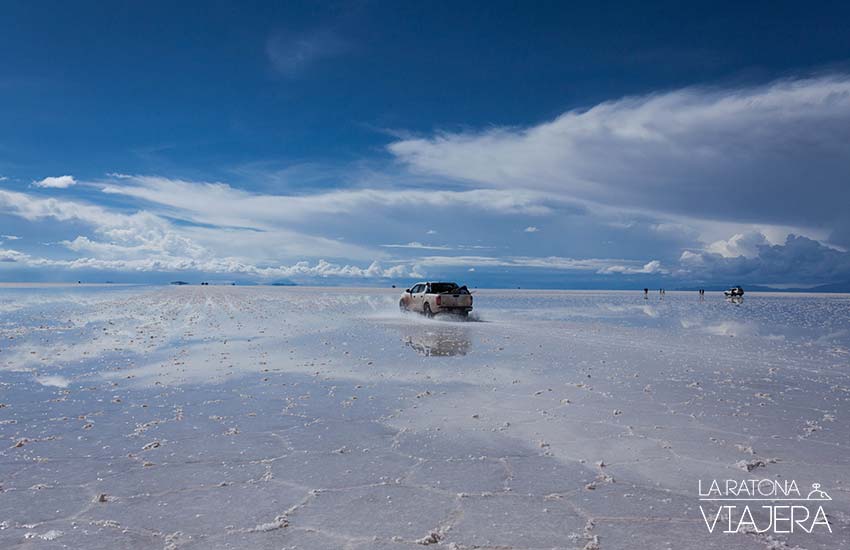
pixel 646 294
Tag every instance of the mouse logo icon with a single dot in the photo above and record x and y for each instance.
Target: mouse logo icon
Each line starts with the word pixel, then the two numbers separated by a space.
pixel 817 494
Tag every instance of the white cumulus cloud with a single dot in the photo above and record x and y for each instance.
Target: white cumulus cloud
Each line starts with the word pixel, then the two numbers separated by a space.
pixel 56 182
pixel 740 244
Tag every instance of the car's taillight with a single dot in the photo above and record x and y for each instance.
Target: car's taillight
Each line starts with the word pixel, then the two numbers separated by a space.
pixel 439 300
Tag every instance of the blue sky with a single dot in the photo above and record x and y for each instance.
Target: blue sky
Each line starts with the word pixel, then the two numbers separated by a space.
pixel 502 143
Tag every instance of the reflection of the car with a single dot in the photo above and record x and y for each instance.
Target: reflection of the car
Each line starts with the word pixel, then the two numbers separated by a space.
pixel 438 341
pixel 737 300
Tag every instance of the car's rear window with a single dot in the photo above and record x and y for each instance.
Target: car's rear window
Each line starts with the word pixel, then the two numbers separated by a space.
pixel 443 288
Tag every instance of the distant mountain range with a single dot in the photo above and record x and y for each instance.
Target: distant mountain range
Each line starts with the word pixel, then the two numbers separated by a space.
pixel 831 287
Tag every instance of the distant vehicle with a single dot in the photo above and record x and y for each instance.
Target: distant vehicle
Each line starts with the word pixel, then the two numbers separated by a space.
pixel 433 298
pixel 734 292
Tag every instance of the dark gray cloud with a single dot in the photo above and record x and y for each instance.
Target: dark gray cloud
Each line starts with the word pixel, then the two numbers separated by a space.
pixel 841 232
pixel 799 260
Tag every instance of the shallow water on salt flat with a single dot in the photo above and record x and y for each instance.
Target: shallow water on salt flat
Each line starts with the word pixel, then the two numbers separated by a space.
pixel 242 417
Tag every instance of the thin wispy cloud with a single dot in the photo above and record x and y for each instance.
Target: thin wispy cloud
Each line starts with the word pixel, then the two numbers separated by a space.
pixel 418 246
pixel 223 204
pixel 292 53
pixel 549 262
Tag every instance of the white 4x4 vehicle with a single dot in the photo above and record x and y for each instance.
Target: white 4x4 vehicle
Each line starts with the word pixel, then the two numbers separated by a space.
pixel 433 298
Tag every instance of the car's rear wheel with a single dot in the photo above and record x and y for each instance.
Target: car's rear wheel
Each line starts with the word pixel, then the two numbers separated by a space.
pixel 426 309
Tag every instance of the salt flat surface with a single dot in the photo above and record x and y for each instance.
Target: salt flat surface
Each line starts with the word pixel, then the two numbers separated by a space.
pixel 239 417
